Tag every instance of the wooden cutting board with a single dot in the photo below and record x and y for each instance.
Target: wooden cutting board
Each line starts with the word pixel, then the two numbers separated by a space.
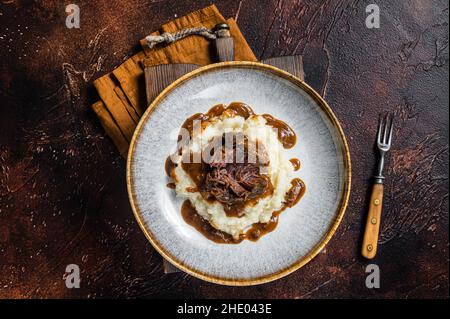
pixel 158 77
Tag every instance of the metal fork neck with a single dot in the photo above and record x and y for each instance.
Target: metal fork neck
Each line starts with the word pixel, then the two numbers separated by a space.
pixel 379 178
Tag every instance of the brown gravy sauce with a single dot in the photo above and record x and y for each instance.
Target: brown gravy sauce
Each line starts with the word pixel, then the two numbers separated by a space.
pixel 234 109
pixel 192 218
pixel 196 171
pixel 255 232
pixel 295 163
pixel 286 134
pixel 171 185
pixel 169 167
pixel 295 193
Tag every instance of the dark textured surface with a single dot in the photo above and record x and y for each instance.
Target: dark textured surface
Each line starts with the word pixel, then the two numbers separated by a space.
pixel 63 194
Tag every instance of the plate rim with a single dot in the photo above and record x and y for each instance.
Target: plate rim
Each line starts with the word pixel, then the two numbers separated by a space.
pixel 314 250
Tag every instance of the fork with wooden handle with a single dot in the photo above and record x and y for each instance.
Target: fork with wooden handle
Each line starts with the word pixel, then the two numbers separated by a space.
pixel 384 139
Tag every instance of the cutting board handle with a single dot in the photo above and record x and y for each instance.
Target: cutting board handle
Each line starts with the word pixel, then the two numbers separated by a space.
pixel 224 43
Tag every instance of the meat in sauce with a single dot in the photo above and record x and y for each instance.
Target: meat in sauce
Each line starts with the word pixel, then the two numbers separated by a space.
pixel 238 182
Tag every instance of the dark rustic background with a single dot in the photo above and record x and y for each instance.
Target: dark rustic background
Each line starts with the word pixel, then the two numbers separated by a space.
pixel 63 195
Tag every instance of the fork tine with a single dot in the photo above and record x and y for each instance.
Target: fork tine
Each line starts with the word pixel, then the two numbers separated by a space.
pixel 380 127
pixel 391 130
pixel 385 128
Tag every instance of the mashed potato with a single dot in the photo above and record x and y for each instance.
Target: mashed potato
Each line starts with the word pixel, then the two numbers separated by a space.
pixel 279 170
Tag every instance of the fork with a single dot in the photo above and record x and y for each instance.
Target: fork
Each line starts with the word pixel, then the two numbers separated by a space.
pixel 384 139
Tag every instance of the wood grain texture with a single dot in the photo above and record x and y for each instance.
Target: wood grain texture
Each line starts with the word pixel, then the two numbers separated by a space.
pixel 224 49
pixel 291 63
pixel 372 229
pixel 158 77
pixel 63 196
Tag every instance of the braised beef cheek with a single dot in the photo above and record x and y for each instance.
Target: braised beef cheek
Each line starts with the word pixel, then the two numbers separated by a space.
pixel 235 174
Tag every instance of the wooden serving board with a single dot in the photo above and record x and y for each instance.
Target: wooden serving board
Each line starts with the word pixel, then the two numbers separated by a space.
pixel 158 77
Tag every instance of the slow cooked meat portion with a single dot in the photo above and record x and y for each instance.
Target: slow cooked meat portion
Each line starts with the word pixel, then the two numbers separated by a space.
pixel 236 174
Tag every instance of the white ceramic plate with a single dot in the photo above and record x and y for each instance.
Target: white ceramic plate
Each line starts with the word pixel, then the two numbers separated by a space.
pixel 302 230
